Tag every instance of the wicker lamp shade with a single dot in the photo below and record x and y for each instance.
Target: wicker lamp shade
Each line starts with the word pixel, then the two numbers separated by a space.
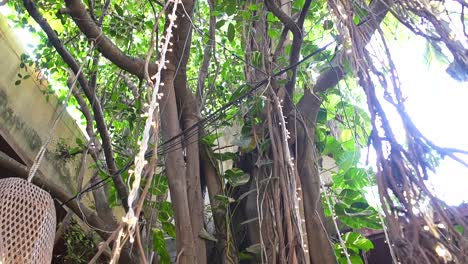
pixel 27 223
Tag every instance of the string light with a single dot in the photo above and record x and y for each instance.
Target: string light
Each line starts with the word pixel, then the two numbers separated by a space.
pixel 130 219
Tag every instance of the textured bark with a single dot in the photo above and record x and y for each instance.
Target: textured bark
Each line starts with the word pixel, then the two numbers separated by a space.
pixel 225 253
pixel 317 238
pixel 78 12
pixel 175 169
pixel 101 204
pixel 296 27
pixel 186 204
pixel 189 112
pixel 308 107
pixel 258 204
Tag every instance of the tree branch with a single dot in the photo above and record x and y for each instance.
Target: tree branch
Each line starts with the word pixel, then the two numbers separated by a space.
pixel 331 77
pixel 296 47
pixel 209 48
pixel 304 11
pixel 94 102
pixel 287 21
pixel 108 49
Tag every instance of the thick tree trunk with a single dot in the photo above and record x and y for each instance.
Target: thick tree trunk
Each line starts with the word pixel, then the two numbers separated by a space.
pixel 225 252
pixel 175 170
pixel 175 164
pixel 320 248
pixel 189 111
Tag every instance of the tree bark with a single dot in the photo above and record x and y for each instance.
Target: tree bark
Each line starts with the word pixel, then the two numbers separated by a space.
pixel 175 169
pixel 320 248
pixel 225 252
pixel 189 112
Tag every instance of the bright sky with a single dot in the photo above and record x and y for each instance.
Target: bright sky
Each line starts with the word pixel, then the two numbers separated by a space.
pixel 438 106
pixel 436 103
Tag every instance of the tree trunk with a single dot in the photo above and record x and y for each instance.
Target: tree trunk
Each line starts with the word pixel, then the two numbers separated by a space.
pixel 225 252
pixel 189 111
pixel 317 238
pixel 175 163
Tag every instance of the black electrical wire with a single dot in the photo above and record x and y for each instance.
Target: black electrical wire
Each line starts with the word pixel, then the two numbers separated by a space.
pixel 169 144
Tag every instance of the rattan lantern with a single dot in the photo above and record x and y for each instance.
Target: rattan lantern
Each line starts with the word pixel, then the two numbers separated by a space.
pixel 27 223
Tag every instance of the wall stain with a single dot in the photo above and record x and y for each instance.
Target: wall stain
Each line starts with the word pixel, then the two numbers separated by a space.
pixel 15 124
pixel 11 121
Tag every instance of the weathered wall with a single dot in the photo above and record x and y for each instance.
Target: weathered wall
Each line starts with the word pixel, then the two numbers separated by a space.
pixel 26 116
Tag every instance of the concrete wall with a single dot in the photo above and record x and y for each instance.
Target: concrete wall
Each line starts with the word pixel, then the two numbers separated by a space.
pixel 26 116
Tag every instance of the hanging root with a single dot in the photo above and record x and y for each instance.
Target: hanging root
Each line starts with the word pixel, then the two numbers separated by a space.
pixel 421 226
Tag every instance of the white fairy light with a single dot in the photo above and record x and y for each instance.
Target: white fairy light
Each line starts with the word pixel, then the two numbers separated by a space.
pixel 130 219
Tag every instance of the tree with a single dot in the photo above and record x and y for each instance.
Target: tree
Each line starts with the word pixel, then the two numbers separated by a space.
pixel 248 64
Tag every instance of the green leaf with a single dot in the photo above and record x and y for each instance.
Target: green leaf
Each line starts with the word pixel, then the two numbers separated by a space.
pixel 460 229
pixel 298 4
pixel 347 159
pixel 159 246
pixel 231 7
pixel 231 32
pixel 332 146
pixel 346 135
pixel 245 256
pixel 118 9
pixel 322 116
pixel 253 7
pixel 360 205
pixel 353 178
pixel 241 90
pixel 169 228
pixel 356 19
pixel 79 141
pixel 238 181
pixel 357 241
pixel 349 196
pixel 210 139
pixel 257 58
pixel 220 23
pixel 225 156
pixel 224 199
pixel 236 177
pixel 18 82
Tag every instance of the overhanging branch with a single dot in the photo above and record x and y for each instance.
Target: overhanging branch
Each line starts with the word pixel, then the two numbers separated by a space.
pixel 91 96
pixel 77 10
pixel 331 77
pixel 287 21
